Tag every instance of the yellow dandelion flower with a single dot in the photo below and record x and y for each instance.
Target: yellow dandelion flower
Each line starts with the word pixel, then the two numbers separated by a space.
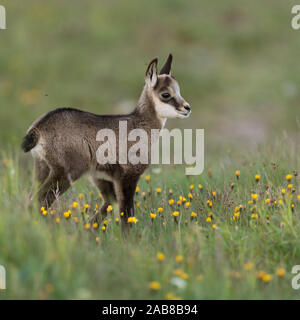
pixel 67 214
pixel 200 187
pixel 138 204
pixel 191 187
pixel 176 213
pixel 179 202
pixel 147 178
pixel 57 220
pixel 237 173
pixel 171 202
pixel 179 258
pixel 117 219
pixel 158 190
pixel 44 212
pixel 290 186
pixel 214 226
pixel 43 209
pixel 280 272
pixel 137 189
pixel 190 195
pixel 52 212
pixel 132 220
pixel 260 274
pixel 154 285
pixel 152 215
pixel 214 193
pixel 257 177
pixel 97 239
pixel 268 200
pixel 95 225
pixel 160 256
pixel 187 204
pixel 103 228
pixel 170 191
pixel 254 196
pixel 248 266
pixel 100 196
pixel 122 214
pixel 75 204
pixel 86 206
pixel 266 278
pixel 109 208
pixel 160 210
pixel 193 214
pixel 283 191
pixel 208 219
pixel 289 177
pixel 298 197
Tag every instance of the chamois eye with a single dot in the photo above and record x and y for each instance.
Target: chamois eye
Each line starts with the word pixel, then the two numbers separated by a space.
pixel 165 95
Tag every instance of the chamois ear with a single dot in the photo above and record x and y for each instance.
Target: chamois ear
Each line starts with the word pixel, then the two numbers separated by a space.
pixel 166 69
pixel 151 73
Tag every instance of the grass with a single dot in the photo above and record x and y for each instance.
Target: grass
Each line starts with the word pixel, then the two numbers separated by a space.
pixel 236 255
pixel 236 67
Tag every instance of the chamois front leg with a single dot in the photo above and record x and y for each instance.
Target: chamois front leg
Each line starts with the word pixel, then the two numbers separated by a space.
pixel 107 191
pixel 125 190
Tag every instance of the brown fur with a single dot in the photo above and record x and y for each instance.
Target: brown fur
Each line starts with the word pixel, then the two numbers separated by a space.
pixel 64 147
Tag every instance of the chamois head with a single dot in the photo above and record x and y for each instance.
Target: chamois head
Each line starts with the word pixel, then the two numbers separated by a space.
pixel 164 91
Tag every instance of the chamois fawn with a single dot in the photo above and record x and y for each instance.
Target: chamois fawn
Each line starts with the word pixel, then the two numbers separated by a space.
pixel 63 143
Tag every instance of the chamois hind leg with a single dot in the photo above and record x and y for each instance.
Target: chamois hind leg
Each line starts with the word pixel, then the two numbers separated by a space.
pixel 42 170
pixel 107 191
pixel 54 186
pixel 125 190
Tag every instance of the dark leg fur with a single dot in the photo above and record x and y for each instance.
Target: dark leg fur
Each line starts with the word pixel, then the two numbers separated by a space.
pixel 125 190
pixel 107 191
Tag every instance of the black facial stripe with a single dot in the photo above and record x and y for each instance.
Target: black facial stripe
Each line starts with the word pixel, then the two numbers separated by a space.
pixel 174 103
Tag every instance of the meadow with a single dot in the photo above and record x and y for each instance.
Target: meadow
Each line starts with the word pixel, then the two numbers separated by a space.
pixel 230 233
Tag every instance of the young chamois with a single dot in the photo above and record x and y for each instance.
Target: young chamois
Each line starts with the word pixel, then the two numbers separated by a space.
pixel 63 143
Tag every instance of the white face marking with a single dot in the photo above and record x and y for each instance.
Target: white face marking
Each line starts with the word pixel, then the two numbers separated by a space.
pixel 166 111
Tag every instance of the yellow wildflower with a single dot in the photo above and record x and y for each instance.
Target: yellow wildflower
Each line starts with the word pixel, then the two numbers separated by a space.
pixel 75 204
pixel 154 285
pixel 171 202
pixel 280 272
pixel 179 258
pixel 160 210
pixel 176 213
pixel 152 215
pixel 109 208
pixel 248 266
pixel 289 177
pixel 160 256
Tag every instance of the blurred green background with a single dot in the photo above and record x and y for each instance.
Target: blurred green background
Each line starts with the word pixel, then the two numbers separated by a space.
pixel 236 62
